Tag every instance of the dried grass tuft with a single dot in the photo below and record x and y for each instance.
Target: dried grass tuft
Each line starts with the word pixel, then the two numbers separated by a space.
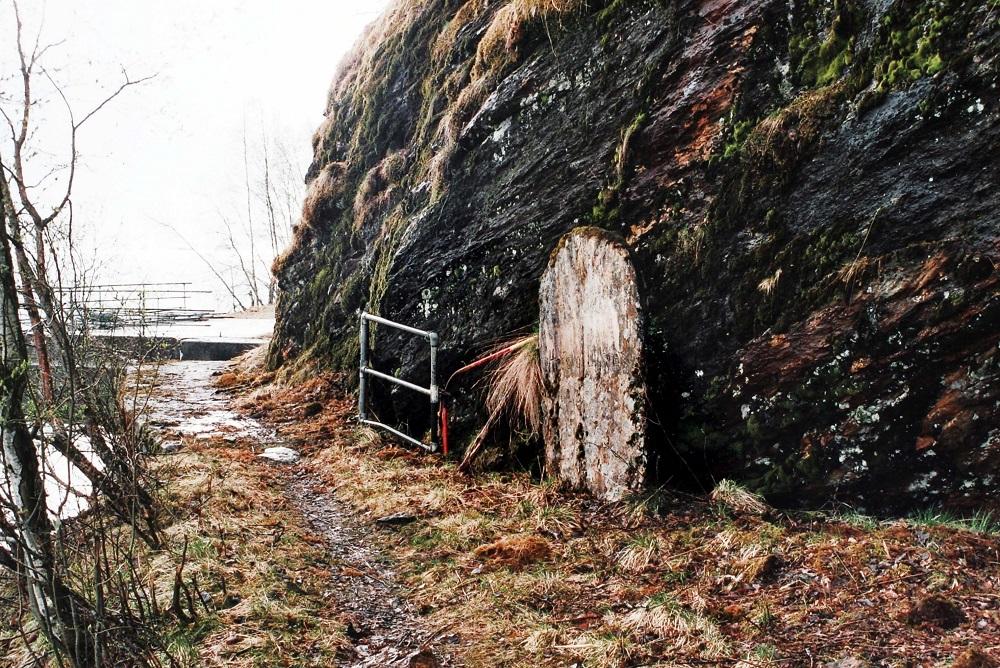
pixel 515 552
pixel 768 285
pixel 640 554
pixel 775 141
pixel 327 185
pixel 498 48
pixel 731 495
pixel 445 42
pixel 515 383
pixel 851 272
pixel 689 629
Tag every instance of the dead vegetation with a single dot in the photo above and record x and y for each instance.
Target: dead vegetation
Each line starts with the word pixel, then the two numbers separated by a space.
pixel 499 46
pixel 515 384
pixel 261 572
pixel 526 575
pixel 514 552
pixel 777 142
pixel 356 160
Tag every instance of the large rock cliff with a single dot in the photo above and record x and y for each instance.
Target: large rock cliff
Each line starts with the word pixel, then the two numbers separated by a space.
pixel 810 187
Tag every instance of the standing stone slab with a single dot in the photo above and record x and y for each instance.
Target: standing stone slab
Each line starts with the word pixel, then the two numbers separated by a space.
pixel 590 346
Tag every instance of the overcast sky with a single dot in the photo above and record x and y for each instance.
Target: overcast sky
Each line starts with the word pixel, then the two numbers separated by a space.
pixel 169 152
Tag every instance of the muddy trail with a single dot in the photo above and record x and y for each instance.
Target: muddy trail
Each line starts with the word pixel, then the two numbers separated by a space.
pixel 383 628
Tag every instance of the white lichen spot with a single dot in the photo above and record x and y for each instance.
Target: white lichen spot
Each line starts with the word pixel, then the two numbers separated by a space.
pixel 922 483
pixel 501 132
pixel 865 415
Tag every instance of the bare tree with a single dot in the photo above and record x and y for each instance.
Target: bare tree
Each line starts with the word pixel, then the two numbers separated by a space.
pixel 50 416
pixel 51 604
pixel 273 191
pixel 227 283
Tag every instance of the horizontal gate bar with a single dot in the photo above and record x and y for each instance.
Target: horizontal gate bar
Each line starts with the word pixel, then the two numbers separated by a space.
pixel 389 323
pixel 410 439
pixel 398 381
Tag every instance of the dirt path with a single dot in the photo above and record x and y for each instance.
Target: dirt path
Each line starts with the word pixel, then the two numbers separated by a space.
pixel 385 630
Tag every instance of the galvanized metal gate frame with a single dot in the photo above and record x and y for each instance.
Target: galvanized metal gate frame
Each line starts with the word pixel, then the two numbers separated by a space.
pixel 366 371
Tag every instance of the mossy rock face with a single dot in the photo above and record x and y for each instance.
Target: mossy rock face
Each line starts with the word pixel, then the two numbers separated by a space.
pixel 809 190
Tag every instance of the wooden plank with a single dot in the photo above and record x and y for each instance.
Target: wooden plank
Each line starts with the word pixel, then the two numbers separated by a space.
pixel 591 352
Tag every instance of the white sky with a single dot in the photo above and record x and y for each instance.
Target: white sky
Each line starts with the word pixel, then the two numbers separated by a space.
pixel 170 152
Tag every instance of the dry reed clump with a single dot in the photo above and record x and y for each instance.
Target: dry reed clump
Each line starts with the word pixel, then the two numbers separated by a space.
pixel 515 552
pixel 515 383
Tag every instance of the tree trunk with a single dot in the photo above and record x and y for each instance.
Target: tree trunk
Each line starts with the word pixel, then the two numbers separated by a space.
pixel 591 353
pixel 51 602
pixel 37 328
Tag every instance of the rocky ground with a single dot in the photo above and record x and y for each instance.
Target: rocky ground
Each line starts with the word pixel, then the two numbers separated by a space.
pixel 364 554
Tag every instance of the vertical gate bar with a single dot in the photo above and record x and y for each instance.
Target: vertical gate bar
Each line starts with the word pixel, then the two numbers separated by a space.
pixel 435 398
pixel 362 410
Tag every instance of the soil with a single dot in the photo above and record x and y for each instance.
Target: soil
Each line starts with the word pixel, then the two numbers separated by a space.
pixel 384 627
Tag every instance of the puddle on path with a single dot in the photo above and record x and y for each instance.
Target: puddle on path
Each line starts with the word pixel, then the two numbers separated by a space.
pixel 187 404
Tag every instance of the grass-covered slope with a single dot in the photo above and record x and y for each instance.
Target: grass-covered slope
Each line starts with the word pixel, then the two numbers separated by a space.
pixel 810 189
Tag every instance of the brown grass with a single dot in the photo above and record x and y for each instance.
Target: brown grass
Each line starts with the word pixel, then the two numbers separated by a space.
pixel 363 60
pixel 514 552
pixel 328 184
pixel 776 141
pixel 682 581
pixel 768 285
pixel 377 193
pixel 466 14
pixel 515 383
pixel 854 269
pixel 974 658
pixel 498 47
pixel 737 498
pixel 496 51
pixel 470 99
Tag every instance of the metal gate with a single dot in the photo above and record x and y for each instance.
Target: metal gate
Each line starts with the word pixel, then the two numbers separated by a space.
pixel 431 392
